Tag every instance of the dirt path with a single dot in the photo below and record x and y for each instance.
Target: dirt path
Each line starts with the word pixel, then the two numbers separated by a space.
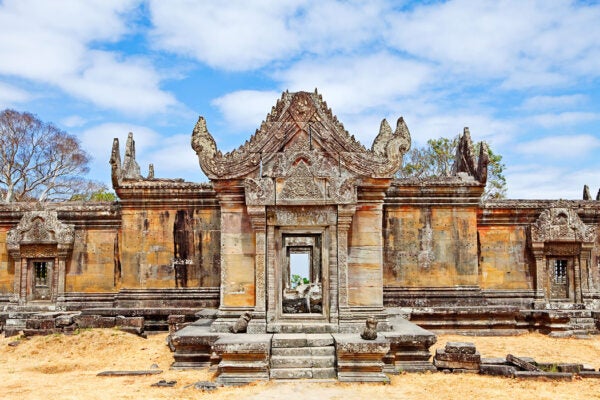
pixel 65 367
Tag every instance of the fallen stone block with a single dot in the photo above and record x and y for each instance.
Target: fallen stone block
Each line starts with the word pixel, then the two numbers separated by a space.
pixel 164 383
pixel 441 364
pixel 130 373
pixel 572 368
pixel 460 347
pixel 521 363
pixel 443 355
pixel 589 374
pixel 554 376
pixel 497 370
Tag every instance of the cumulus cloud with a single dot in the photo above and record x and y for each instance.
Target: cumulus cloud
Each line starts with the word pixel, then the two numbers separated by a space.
pixel 527 44
pixel 537 181
pixel 11 95
pixel 244 110
pixel 563 118
pixel 553 102
pixel 53 43
pixel 562 147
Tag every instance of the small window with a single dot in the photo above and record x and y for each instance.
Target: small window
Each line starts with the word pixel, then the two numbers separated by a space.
pixel 560 271
pixel 41 273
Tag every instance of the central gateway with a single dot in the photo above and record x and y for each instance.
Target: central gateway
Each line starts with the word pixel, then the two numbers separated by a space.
pixel 301 219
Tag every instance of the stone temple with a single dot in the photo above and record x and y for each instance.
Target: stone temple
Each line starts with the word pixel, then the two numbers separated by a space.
pixel 300 236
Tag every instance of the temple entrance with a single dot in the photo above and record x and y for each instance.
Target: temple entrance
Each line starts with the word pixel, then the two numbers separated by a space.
pixel 40 279
pixel 302 289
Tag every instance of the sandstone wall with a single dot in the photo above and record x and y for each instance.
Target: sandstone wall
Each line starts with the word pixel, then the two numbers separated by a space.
pixel 6 268
pixel 433 246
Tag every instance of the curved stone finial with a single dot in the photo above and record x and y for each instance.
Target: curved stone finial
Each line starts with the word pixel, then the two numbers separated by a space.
pixel 382 139
pixel 204 145
pixel 115 163
pixel 586 193
pixel 401 141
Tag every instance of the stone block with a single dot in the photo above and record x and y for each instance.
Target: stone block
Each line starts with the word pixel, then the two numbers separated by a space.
pixel 63 321
pixel 130 322
pixel 522 363
pixel 497 370
pixel 460 347
pixel 324 373
pixel 443 355
pixel 589 374
pixel 572 368
pixel 289 340
pixel 94 321
pixel 291 373
pixel 554 376
pixel 319 340
pixel 440 364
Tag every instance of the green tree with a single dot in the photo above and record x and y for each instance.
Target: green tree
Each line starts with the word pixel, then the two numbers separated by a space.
pixel 437 158
pixel 94 191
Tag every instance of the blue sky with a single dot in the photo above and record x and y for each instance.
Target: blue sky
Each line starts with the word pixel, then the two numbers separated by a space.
pixel 522 75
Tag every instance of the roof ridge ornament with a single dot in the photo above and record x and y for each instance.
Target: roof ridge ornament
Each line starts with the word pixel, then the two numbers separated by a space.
pixel 287 120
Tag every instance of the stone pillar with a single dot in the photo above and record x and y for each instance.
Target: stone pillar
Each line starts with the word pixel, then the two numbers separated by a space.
pixel 258 220
pixel 540 271
pixel 577 280
pixel 271 265
pixel 344 221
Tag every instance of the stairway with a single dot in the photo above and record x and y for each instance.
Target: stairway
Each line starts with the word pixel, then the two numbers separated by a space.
pixel 302 356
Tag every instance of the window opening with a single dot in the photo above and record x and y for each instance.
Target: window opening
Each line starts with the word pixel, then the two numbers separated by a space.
pixel 41 273
pixel 560 271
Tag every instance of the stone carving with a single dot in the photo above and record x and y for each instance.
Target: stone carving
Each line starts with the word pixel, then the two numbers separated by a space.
pixel 40 227
pixel 300 184
pixel 370 330
pixel 241 325
pixel 561 224
pixel 307 115
pixel 465 161
pixel 259 191
pixel 130 168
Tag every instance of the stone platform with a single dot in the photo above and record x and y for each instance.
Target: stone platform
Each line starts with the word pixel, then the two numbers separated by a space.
pixel 246 357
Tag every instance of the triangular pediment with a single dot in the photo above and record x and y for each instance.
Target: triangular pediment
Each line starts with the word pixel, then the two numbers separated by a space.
pixel 302 119
pixel 561 224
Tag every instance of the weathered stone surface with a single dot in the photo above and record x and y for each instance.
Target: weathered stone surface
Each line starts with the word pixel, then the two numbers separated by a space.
pixel 360 360
pixel 460 348
pixel 521 363
pixel 443 355
pixel 497 370
pixel 554 376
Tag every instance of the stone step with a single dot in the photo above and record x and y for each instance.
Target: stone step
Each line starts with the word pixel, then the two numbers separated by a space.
pixel 290 340
pixel 303 351
pixel 303 373
pixel 302 362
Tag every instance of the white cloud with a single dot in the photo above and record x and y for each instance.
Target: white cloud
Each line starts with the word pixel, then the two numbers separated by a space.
pixel 526 43
pixel 553 102
pixel 73 121
pixel 11 95
pixel 245 109
pixel 564 118
pixel 355 84
pixel 233 35
pixel 535 181
pixel 560 147
pixel 51 42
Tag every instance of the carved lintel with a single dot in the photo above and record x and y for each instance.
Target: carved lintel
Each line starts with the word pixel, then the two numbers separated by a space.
pixel 40 228
pixel 260 191
pixel 561 224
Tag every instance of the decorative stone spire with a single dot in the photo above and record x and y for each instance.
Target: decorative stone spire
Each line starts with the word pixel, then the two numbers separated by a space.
pixel 131 169
pixel 466 162
pixel 586 193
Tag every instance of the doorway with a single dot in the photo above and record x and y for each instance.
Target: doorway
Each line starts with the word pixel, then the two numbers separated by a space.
pixel 40 279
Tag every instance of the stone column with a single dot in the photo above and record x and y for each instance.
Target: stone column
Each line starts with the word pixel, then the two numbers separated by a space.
pixel 577 280
pixel 540 271
pixel 344 221
pixel 258 220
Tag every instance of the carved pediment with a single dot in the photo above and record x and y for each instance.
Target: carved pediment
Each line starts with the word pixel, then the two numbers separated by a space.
pixel 40 227
pixel 302 121
pixel 561 224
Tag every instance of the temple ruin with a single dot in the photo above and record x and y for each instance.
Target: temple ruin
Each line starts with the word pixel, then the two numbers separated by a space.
pixel 300 236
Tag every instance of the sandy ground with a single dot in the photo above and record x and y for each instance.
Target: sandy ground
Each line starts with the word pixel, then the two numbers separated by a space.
pixel 65 367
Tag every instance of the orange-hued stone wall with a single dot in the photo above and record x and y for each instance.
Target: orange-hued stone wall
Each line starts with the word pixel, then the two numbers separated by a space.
pixel 503 259
pixel 147 247
pixel 7 272
pixel 430 246
pixel 365 281
pixel 91 267
pixel 237 257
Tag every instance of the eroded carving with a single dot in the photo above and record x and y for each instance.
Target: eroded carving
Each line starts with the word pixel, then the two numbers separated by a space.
pixel 370 330
pixel 466 163
pixel 241 325
pixel 39 228
pixel 561 224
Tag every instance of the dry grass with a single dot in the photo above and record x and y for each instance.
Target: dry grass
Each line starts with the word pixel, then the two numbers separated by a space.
pixel 65 367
